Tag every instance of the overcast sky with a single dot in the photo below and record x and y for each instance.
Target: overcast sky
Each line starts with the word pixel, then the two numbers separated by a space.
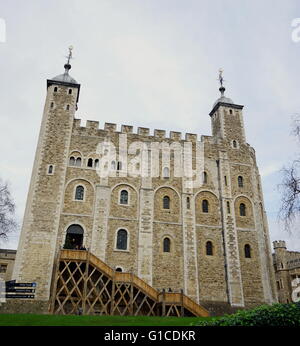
pixel 152 63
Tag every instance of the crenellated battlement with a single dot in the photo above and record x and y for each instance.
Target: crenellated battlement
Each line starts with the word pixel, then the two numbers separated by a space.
pixel 279 244
pixel 141 131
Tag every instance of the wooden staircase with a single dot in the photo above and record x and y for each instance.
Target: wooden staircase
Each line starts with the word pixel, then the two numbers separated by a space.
pixel 85 284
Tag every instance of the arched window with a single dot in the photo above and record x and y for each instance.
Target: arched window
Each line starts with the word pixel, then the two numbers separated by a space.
pixel 242 209
pixel 68 107
pixel 204 178
pixel 240 181
pixel 166 173
pixel 188 203
pixel 122 239
pixel 119 269
pixel 96 163
pixel 90 163
pixel 78 162
pixel 209 248
pixel 124 197
pixel 50 169
pixel 247 250
pixel 225 180
pixel 70 91
pixel 72 161
pixel 79 193
pixel 55 89
pixel 234 144
pixel 228 207
pixel 230 111
pixel 205 206
pixel 113 165
pixel 51 105
pixel 167 245
pixel 119 166
pixel 166 202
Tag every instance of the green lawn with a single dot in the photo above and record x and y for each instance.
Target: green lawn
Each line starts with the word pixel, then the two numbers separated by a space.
pixel 73 320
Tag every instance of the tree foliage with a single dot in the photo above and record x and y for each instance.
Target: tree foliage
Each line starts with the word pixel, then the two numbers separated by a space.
pixel 7 211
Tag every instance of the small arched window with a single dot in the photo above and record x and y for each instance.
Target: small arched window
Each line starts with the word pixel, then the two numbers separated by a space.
pixel 167 245
pixel 90 163
pixel 166 202
pixel 68 107
pixel 119 166
pixel 122 239
pixel 124 197
pixel 240 181
pixel 79 193
pixel 234 144
pixel 188 203
pixel 70 91
pixel 247 250
pixel 119 269
pixel 225 180
pixel 204 177
pixel 230 111
pixel 166 173
pixel 96 163
pixel 51 105
pixel 72 161
pixel 205 206
pixel 209 248
pixel 228 207
pixel 242 209
pixel 78 162
pixel 55 89
pixel 50 169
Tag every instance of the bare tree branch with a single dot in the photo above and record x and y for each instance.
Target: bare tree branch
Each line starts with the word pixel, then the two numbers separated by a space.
pixel 7 212
pixel 290 187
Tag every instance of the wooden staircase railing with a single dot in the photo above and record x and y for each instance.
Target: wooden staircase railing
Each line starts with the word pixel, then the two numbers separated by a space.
pixel 165 298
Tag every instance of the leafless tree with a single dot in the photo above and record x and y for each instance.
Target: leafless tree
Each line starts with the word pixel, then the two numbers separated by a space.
pixel 7 211
pixel 289 212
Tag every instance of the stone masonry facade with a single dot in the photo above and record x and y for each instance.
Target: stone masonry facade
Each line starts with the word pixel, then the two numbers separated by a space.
pixel 219 248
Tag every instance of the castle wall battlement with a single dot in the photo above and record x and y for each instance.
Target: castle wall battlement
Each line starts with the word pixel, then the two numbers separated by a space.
pixel 141 131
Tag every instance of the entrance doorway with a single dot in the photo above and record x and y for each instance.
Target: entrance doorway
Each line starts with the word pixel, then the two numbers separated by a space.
pixel 74 237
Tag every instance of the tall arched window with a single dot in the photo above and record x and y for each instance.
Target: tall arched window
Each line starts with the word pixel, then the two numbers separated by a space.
pixel 209 248
pixel 78 162
pixel 166 202
pixel 205 206
pixel 188 203
pixel 119 166
pixel 72 161
pixel 79 193
pixel 204 177
pixel 247 250
pixel 96 163
pixel 90 163
pixel 240 181
pixel 167 245
pixel 50 169
pixel 124 197
pixel 55 89
pixel 122 237
pixel 70 91
pixel 234 144
pixel 228 207
pixel 166 173
pixel 242 209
